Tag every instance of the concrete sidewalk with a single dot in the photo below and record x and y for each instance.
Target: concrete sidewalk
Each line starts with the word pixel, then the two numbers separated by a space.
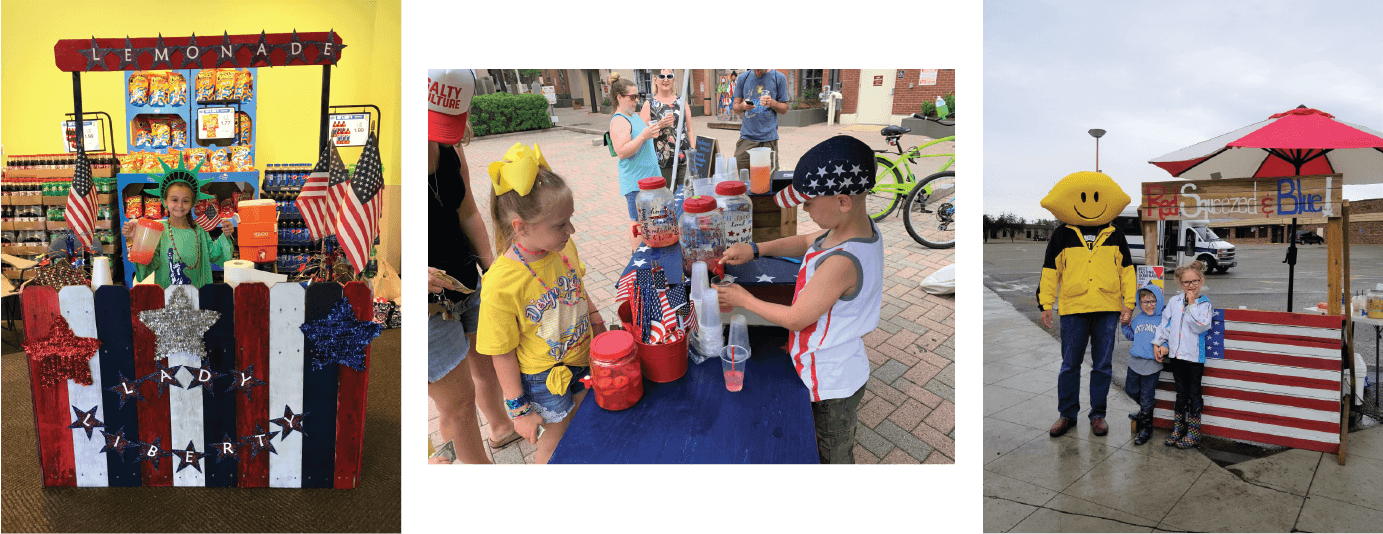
pixel 908 411
pixel 1083 483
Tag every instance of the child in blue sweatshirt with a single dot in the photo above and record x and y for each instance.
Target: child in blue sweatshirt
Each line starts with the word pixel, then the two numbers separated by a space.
pixel 1144 366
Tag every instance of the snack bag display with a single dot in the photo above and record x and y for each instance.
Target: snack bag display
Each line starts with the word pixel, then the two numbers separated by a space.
pixel 139 130
pixel 139 89
pixel 206 85
pixel 150 163
pixel 241 159
pixel 153 208
pixel 228 207
pixel 194 156
pixel 159 133
pixel 244 85
pixel 179 128
pixel 225 84
pixel 209 123
pixel 130 162
pixel 219 161
pixel 177 89
pixel 158 89
pixel 171 158
pixel 134 206
pixel 243 130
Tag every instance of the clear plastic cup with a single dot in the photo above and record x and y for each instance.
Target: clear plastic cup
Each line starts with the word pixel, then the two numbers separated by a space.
pixel 146 235
pixel 760 172
pixel 739 330
pixel 732 361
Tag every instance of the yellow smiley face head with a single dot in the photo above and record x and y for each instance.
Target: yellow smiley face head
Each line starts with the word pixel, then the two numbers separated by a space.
pixel 1086 199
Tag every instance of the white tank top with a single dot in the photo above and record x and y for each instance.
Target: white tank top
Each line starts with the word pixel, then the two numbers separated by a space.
pixel 829 355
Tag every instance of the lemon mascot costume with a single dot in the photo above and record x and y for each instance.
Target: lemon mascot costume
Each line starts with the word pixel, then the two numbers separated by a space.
pixel 1088 275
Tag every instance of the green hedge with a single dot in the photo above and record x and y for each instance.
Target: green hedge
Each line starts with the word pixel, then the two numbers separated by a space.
pixel 498 113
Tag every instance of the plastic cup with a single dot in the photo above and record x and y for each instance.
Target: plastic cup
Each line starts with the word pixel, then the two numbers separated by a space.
pixel 700 280
pixel 100 271
pixel 732 362
pixel 146 235
pixel 739 330
pixel 760 174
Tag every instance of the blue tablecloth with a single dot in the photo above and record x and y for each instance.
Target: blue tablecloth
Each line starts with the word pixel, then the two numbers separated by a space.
pixel 694 419
pixel 761 272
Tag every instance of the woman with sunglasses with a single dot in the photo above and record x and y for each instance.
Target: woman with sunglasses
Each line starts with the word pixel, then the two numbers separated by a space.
pixel 632 139
pixel 664 103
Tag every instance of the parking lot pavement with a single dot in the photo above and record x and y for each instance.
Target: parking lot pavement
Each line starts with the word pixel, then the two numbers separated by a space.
pixel 908 411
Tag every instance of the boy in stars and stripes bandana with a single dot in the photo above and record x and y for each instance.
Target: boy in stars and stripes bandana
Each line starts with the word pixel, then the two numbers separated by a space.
pixel 839 286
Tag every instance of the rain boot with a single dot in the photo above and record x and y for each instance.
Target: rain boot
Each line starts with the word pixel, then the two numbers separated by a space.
pixel 1144 428
pixel 1193 432
pixel 1178 430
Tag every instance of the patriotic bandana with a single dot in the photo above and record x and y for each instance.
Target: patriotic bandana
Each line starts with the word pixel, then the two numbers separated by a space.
pixel 841 165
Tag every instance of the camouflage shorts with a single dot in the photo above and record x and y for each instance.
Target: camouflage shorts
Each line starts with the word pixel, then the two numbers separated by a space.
pixel 835 421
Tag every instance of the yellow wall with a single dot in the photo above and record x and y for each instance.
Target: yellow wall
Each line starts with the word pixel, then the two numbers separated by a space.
pixel 36 94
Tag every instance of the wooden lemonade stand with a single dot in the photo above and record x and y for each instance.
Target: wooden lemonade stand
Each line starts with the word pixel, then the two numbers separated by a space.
pixel 1285 378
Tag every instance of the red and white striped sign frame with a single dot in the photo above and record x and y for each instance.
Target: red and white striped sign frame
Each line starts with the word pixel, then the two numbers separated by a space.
pixel 167 421
pixel 1279 382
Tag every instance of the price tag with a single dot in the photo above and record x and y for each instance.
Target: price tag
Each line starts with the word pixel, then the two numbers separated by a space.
pixel 216 123
pixel 350 129
pixel 91 136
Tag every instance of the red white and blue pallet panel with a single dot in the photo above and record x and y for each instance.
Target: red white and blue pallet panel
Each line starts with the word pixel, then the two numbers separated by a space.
pixel 256 383
pixel 1278 383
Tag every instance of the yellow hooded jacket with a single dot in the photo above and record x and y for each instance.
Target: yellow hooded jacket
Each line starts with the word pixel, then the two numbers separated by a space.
pixel 1089 277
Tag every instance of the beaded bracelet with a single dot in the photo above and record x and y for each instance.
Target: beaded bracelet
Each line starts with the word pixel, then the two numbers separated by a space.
pixel 517 413
pixel 755 246
pixel 516 403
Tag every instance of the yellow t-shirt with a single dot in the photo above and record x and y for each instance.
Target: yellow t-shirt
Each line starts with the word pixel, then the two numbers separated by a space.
pixel 545 327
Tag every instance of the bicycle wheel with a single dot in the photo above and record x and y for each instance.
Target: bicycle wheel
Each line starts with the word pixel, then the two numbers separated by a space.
pixel 929 212
pixel 887 191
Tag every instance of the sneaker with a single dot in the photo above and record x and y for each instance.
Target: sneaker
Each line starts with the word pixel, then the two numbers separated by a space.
pixel 1060 427
pixel 1099 426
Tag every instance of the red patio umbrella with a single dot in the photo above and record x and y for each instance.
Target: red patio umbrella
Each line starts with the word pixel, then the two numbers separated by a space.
pixel 1299 142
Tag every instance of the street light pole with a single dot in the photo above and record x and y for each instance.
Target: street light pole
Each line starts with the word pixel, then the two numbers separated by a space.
pixel 1097 134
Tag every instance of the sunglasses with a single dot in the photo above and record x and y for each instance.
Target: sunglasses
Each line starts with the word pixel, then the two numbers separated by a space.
pixel 665 76
pixel 634 96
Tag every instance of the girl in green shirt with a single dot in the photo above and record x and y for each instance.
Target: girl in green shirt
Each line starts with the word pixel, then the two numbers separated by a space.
pixel 185 251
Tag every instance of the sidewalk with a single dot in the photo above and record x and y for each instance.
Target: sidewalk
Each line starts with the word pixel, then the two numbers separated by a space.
pixel 1083 483
pixel 908 412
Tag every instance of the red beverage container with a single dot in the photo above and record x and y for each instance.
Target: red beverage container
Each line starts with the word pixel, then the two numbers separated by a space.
pixel 616 379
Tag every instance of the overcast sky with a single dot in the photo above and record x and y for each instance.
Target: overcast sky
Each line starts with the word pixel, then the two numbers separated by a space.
pixel 1160 76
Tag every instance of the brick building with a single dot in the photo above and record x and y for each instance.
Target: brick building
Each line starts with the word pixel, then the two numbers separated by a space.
pixel 1365 226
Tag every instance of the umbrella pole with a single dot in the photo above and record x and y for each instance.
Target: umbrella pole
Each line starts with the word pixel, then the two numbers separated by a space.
pixel 1291 261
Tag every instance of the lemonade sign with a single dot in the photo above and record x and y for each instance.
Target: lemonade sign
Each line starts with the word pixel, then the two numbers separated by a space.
pixel 1242 198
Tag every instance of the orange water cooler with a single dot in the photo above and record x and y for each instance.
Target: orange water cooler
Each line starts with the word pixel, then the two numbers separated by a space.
pixel 258 232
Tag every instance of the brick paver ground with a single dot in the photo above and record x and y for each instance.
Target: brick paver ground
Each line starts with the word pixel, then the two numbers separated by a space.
pixel 908 413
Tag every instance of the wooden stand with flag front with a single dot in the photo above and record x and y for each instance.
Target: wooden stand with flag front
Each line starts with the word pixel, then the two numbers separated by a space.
pixel 1270 377
pixel 218 386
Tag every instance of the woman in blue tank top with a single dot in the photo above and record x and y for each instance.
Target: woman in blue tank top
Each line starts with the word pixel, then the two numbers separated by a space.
pixel 632 140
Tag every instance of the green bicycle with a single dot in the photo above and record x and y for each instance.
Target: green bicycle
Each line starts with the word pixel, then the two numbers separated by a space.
pixel 894 179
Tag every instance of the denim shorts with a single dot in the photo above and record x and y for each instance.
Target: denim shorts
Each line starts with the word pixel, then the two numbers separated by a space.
pixel 447 343
pixel 633 213
pixel 553 408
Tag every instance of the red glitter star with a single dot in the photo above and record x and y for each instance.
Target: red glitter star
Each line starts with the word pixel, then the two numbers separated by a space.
pixel 63 355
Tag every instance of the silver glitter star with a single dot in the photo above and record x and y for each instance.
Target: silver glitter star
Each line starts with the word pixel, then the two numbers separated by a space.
pixel 178 326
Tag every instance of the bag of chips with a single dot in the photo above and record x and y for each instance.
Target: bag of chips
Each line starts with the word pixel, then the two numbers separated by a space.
pixel 160 134
pixel 179 128
pixel 158 89
pixel 153 208
pixel 193 157
pixel 134 206
pixel 241 159
pixel 244 85
pixel 139 89
pixel 219 161
pixel 243 129
pixel 150 163
pixel 171 159
pixel 130 162
pixel 177 89
pixel 228 207
pixel 225 84
pixel 206 85
pixel 139 130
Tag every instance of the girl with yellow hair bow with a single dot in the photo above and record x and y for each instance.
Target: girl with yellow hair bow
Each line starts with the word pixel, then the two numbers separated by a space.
pixel 535 317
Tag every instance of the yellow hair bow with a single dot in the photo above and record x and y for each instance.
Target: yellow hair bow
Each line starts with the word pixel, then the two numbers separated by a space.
pixel 518 170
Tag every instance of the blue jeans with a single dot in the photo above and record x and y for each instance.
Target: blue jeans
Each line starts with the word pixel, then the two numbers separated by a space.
pixel 1142 389
pixel 629 198
pixel 1077 330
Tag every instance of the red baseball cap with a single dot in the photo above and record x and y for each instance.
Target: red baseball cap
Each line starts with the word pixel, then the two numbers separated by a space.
pixel 449 93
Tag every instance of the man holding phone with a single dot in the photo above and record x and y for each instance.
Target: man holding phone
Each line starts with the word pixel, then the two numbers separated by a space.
pixel 761 95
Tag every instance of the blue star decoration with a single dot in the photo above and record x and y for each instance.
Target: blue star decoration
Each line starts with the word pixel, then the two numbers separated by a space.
pixel 127 388
pixel 259 441
pixel 289 422
pixel 95 56
pixel 152 452
pixel 116 442
pixel 227 447
pixel 340 338
pixel 188 60
pixel 189 456
pixel 226 45
pixel 164 375
pixel 1215 342
pixel 86 420
pixel 202 376
pixel 244 380
pixel 288 48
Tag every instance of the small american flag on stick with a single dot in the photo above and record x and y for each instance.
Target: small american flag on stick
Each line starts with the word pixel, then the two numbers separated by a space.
pixel 81 201
pixel 359 202
pixel 208 214
pixel 314 202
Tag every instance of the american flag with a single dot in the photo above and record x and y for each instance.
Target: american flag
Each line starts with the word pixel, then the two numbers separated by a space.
pixel 81 201
pixel 359 202
pixel 625 285
pixel 313 200
pixel 1270 377
pixel 208 214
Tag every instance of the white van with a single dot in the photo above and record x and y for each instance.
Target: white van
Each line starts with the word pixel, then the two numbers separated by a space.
pixel 1182 242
